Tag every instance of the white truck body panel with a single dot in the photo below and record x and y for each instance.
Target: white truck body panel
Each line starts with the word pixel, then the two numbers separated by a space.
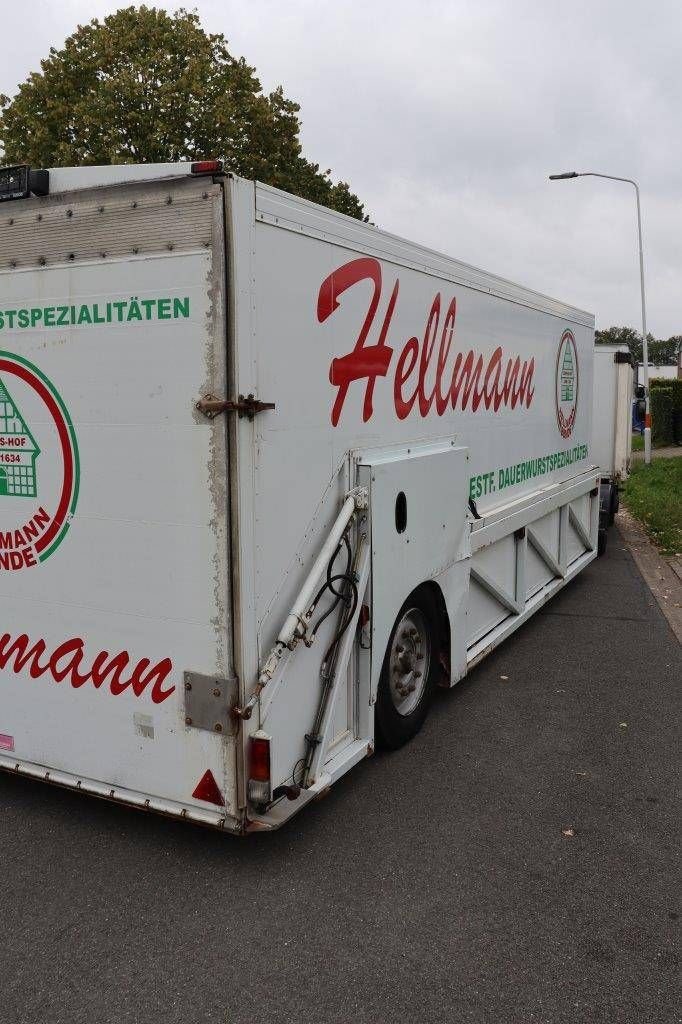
pixel 142 568
pixel 392 368
pixel 612 411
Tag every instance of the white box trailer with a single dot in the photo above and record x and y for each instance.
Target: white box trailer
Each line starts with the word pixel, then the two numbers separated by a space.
pixel 612 426
pixel 268 475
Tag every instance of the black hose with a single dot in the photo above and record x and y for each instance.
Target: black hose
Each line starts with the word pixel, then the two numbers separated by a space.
pixel 329 584
pixel 350 612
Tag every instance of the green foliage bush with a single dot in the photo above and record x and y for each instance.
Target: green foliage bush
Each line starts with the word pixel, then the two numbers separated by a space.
pixel 662 415
pixel 674 386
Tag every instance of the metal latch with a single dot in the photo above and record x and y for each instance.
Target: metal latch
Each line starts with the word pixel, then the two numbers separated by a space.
pixel 209 701
pixel 245 405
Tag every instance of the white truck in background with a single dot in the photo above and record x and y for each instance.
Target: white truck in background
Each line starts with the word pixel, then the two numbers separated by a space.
pixel 612 427
pixel 268 476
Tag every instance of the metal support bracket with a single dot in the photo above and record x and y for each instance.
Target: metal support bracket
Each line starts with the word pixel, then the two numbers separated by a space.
pixel 209 701
pixel 245 405
pixel 298 620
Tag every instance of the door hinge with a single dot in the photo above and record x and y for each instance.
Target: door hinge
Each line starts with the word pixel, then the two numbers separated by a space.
pixel 245 405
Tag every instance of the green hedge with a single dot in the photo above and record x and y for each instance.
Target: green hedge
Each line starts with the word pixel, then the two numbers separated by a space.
pixel 662 415
pixel 674 386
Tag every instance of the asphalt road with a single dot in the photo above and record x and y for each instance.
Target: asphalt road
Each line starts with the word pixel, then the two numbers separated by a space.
pixel 437 884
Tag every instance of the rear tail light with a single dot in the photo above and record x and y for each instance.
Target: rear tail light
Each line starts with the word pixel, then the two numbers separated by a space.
pixel 207 167
pixel 259 785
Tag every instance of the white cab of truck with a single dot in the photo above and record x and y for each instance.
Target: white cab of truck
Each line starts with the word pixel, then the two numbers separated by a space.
pixel 268 477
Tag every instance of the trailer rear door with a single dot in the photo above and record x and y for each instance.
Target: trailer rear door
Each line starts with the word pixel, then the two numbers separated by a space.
pixel 113 508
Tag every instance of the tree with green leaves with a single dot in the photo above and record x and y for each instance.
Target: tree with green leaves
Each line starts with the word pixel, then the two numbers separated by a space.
pixel 620 336
pixel 661 352
pixel 145 86
pixel 667 352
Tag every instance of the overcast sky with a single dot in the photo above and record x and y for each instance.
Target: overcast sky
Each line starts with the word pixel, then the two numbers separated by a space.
pixel 447 117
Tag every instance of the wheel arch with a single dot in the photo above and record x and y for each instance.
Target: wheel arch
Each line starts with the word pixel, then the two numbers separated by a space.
pixel 443 629
pixel 396 719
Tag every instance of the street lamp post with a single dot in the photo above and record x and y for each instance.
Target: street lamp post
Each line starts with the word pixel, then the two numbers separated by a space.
pixel 645 346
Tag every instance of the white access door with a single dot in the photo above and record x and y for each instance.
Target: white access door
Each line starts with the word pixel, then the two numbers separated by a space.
pixel 419 532
pixel 113 500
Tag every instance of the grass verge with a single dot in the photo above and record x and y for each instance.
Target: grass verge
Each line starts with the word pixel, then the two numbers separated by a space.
pixel 638 443
pixel 654 495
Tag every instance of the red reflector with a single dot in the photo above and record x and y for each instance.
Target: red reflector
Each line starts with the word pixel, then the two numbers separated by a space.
pixel 259 759
pixel 207 167
pixel 207 790
pixel 364 616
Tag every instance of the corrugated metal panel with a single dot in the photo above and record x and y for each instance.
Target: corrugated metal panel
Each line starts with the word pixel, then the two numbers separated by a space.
pixel 114 222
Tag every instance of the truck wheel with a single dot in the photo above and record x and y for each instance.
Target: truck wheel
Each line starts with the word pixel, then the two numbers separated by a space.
pixel 601 542
pixel 615 503
pixel 409 672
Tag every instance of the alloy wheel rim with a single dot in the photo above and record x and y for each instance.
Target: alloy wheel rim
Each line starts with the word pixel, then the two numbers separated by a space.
pixel 409 661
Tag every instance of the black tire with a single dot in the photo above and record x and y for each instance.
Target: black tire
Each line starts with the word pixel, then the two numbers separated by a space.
pixel 615 503
pixel 602 538
pixel 393 727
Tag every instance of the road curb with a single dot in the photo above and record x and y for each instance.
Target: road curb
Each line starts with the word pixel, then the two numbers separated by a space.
pixel 660 574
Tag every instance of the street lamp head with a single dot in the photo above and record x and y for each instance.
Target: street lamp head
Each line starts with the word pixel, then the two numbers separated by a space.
pixel 645 354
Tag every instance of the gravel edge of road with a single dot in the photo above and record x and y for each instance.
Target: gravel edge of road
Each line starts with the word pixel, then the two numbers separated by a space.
pixel 659 574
